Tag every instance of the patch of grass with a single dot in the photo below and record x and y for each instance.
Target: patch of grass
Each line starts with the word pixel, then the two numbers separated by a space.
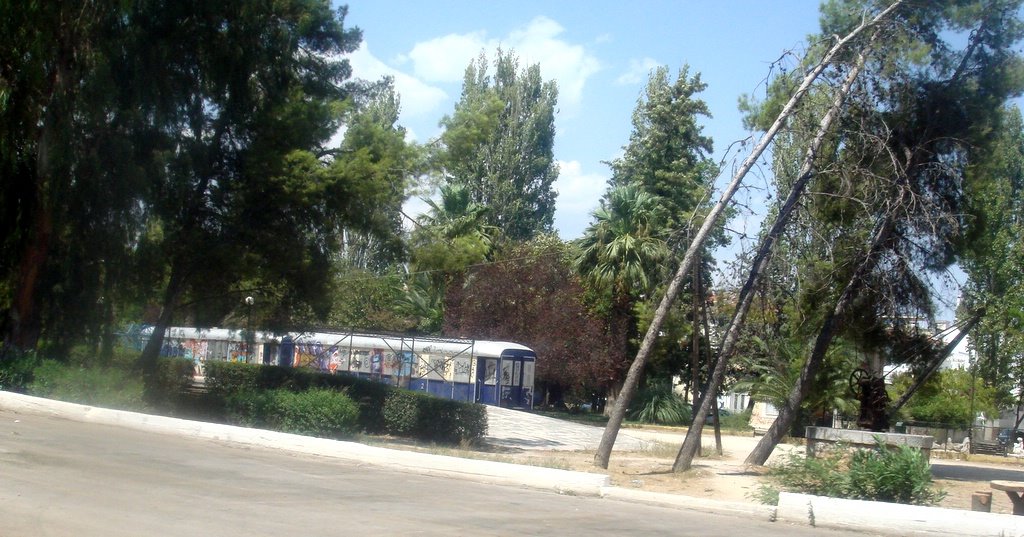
pixel 108 387
pixel 662 450
pixel 738 423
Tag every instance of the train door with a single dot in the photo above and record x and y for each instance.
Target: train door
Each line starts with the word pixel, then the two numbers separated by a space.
pixel 486 381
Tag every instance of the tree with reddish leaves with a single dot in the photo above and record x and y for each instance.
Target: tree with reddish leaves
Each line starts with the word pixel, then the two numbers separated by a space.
pixel 530 294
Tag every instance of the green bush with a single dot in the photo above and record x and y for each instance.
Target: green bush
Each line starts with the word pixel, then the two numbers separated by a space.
pixel 225 379
pixel 657 403
pixel 401 413
pixel 16 369
pixel 429 418
pixel 317 412
pixel 251 408
pixel 173 378
pixel 739 421
pixel 415 415
pixel 898 475
pixel 886 474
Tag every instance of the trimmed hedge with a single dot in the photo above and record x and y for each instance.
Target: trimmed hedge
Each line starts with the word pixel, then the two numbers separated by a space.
pixel 434 419
pixel 382 408
pixel 318 412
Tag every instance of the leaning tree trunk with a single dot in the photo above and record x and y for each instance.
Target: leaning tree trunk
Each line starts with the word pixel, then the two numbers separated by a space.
pixel 937 361
pixel 695 343
pixel 629 387
pixel 147 361
pixel 759 455
pixel 684 459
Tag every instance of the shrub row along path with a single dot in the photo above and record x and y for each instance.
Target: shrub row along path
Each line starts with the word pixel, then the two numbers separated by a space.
pixel 643 459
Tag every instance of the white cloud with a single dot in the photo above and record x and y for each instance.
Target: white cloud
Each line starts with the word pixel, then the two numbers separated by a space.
pixel 579 195
pixel 419 100
pixel 638 72
pixel 568 64
pixel 444 59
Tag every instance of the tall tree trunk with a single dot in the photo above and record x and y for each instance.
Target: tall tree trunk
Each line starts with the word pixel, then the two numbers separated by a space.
pixel 147 361
pixel 684 459
pixel 611 431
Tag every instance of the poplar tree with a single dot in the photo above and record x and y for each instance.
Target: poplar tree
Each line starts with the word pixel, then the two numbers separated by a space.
pixel 499 142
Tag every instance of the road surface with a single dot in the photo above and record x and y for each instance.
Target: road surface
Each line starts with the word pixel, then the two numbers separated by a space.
pixel 61 477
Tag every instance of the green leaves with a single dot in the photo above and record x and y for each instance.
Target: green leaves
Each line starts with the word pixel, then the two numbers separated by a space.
pixel 624 248
pixel 897 474
pixel 498 144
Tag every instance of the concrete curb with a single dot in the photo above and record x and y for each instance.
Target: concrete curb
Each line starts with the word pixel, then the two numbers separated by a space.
pixel 765 512
pixel 892 518
pixel 562 481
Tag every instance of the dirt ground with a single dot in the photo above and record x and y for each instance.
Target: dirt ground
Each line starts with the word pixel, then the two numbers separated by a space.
pixel 726 478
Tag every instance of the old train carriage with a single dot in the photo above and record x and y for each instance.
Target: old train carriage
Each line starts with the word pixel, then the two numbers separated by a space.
pixel 489 372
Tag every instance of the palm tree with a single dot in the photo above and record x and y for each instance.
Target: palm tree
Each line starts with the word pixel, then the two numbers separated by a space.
pixel 624 251
pixel 451 236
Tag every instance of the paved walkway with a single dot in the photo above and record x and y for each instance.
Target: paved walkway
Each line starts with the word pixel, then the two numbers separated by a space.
pixel 523 430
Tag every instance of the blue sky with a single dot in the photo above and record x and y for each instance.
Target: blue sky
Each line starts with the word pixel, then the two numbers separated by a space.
pixel 599 53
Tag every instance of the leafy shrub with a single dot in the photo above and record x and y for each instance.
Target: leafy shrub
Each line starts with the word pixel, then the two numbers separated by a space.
pixel 173 377
pixel 16 369
pixel 401 413
pixel 898 474
pixel 251 408
pixel 436 419
pixel 433 419
pixel 739 421
pixel 657 403
pixel 318 412
pixel 225 379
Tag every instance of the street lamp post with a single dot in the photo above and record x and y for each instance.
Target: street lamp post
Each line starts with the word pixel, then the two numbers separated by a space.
pixel 250 337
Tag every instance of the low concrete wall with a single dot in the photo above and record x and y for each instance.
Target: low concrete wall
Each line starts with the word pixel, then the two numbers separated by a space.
pixel 816 436
pixel 893 518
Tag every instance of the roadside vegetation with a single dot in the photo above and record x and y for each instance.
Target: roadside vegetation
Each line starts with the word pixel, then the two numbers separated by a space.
pixel 885 474
pixel 270 397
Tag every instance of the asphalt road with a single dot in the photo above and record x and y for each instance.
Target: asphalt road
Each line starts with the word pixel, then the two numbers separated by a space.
pixel 60 478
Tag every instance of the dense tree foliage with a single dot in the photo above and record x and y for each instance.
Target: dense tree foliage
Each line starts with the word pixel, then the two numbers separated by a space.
pixel 499 142
pixel 186 144
pixel 889 211
pixel 994 255
pixel 531 294
pixel 951 397
pixel 668 153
